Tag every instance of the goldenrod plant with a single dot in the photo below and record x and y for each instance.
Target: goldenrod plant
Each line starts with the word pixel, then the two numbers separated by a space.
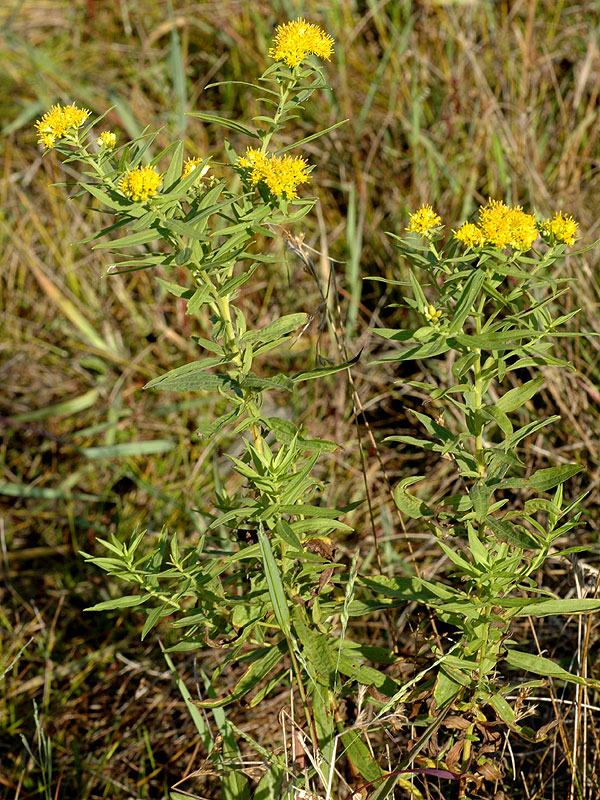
pixel 264 584
pixel 260 583
pixel 485 297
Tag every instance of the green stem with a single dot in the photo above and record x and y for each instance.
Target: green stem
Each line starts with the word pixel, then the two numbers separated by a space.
pixel 222 306
pixel 284 94
pixel 478 405
pixel 305 704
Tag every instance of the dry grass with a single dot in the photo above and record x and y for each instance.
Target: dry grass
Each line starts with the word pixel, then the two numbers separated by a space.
pixel 447 103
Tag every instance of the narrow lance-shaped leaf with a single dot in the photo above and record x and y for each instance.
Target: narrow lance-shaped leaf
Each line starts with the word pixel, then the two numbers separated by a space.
pixel 518 396
pixel 276 591
pixel 224 123
pixel 464 306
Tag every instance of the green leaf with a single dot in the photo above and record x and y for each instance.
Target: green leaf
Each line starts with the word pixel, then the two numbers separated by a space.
pixel 409 590
pixel 477 548
pixel 323 713
pixel 518 396
pixel 276 591
pixel 201 296
pixel 275 329
pixel 501 419
pixel 224 123
pixel 513 440
pixel 126 449
pixel 545 479
pixel 207 430
pixel 360 756
pixel 408 504
pixel 545 608
pixel 269 787
pixel 417 290
pixel 135 239
pixel 113 200
pixel 191 377
pixel 480 496
pixel 541 666
pixel 153 617
pixel 285 532
pixel 175 167
pixel 367 676
pixel 497 340
pixel 264 660
pixel 193 710
pixel 120 602
pixel 320 372
pixel 175 289
pixel 464 566
pixel 285 431
pixel 435 347
pixel 239 280
pixel 316 649
pixel 509 533
pixel 464 305
pixel 257 384
pixel 446 687
pixel 186 228
pixel 310 138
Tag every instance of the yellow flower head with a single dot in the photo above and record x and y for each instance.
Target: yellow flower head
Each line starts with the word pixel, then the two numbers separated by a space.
pixel 470 235
pixel 562 227
pixel 281 174
pixel 495 223
pixel 107 139
pixel 423 220
pixel 140 183
pixel 433 314
pixel 524 230
pixel 58 121
pixel 503 226
pixel 191 165
pixel 296 40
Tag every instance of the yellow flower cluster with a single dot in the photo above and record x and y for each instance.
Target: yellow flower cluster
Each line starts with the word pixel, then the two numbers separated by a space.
pixel 501 226
pixel 140 183
pixel 296 40
pixel 191 165
pixel 470 235
pixel 433 314
pixel 562 227
pixel 281 174
pixel 58 121
pixel 107 139
pixel 423 221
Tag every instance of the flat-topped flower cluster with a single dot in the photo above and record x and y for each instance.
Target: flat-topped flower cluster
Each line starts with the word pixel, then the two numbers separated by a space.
pixel 58 121
pixel 280 174
pixel 296 40
pixel 499 225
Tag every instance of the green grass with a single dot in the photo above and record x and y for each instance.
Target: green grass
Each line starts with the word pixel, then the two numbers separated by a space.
pixel 447 103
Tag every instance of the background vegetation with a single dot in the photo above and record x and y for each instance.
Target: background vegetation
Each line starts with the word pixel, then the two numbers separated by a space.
pixel 447 103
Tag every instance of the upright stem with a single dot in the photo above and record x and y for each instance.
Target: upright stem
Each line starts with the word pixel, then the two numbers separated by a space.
pixel 284 94
pixel 478 382
pixel 478 405
pixel 223 307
